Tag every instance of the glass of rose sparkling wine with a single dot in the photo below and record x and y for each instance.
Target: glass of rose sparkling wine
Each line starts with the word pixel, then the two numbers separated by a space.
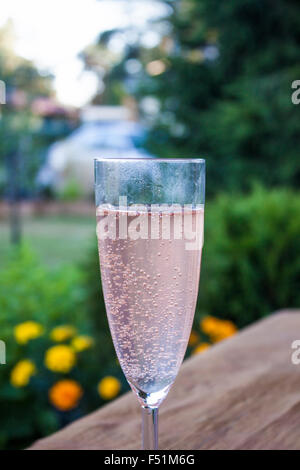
pixel 150 216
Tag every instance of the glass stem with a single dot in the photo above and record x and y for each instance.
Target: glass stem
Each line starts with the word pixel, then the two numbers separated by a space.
pixel 149 428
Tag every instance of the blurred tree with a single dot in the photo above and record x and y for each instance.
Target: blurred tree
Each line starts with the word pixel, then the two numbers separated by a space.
pixel 119 54
pixel 18 123
pixel 214 80
pixel 224 89
pixel 30 120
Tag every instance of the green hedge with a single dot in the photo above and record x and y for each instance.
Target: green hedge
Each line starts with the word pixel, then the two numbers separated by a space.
pixel 251 258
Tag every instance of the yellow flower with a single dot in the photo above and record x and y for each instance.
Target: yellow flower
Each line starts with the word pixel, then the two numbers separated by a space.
pixel 226 329
pixel 209 325
pixel 26 331
pixel 22 372
pixel 201 348
pixel 217 329
pixel 194 338
pixel 109 387
pixel 60 358
pixel 80 343
pixel 62 333
pixel 65 394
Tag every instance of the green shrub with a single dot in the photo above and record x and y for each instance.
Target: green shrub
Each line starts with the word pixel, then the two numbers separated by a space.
pixel 70 192
pixel 251 257
pixel 30 292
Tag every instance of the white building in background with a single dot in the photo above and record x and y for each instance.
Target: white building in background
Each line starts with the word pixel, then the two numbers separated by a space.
pixel 106 114
pixel 106 131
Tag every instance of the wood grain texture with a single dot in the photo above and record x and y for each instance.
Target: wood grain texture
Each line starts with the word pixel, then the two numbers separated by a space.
pixel 243 393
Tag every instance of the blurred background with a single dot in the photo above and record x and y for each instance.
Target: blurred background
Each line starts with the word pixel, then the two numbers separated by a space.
pixel 184 78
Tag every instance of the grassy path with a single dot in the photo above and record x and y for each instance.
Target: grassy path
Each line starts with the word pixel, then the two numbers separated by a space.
pixel 56 239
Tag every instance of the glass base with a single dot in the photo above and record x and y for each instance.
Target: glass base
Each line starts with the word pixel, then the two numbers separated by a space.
pixel 153 399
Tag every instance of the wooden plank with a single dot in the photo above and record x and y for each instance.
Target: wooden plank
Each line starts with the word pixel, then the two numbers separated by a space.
pixel 243 393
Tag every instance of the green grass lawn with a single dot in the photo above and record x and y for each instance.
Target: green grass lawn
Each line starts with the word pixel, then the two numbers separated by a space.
pixel 56 240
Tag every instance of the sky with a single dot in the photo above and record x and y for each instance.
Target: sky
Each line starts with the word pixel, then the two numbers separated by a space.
pixel 53 32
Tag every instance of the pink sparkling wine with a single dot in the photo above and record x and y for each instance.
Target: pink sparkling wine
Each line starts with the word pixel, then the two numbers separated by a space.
pixel 150 289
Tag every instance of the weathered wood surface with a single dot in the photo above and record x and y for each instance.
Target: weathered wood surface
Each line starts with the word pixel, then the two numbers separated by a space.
pixel 243 393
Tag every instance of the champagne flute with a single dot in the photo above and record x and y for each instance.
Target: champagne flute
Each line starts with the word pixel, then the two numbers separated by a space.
pixel 150 216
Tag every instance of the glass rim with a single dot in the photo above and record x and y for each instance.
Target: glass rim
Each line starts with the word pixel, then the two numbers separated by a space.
pixel 151 159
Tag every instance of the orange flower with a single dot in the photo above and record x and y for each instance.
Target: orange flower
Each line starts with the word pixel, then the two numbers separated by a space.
pixel 226 329
pixel 209 324
pixel 65 394
pixel 217 329
pixel 194 338
pixel 201 348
